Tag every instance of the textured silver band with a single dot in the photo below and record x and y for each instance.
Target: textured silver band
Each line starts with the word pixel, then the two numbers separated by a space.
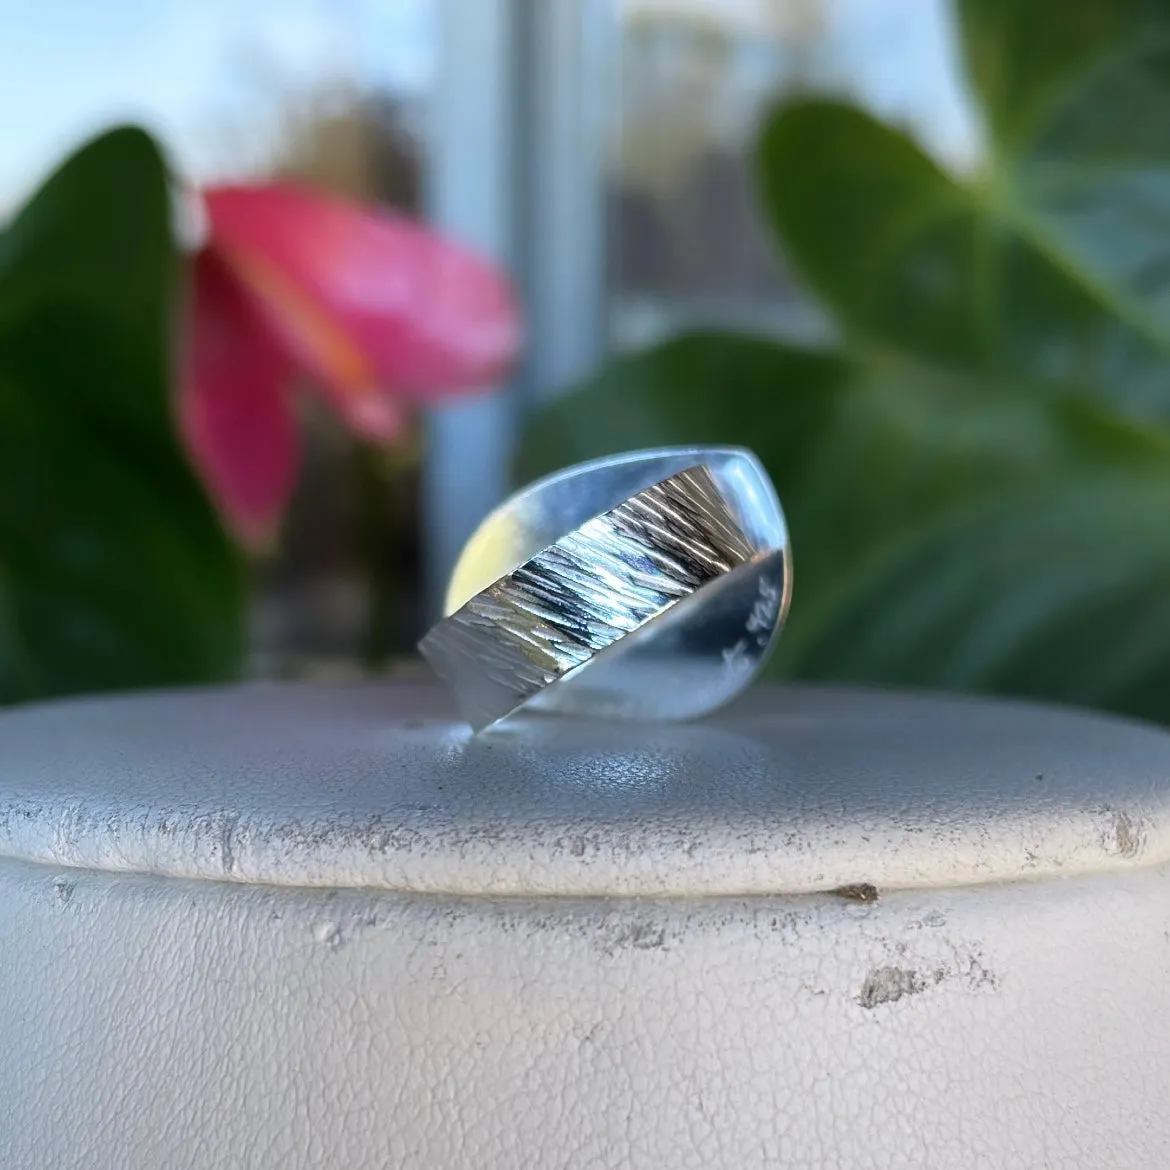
pixel 585 592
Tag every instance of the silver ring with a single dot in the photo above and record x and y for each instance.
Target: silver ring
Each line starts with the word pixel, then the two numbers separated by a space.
pixel 649 585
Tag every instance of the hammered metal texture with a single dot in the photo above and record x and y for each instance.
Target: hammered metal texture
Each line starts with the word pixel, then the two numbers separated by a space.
pixel 583 593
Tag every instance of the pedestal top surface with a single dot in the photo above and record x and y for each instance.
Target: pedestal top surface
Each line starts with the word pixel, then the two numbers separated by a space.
pixel 791 790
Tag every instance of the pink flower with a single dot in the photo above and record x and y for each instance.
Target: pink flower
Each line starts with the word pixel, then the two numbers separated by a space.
pixel 375 312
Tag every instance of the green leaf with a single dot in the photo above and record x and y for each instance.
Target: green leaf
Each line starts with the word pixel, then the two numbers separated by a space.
pixel 114 571
pixel 702 388
pixel 1022 57
pixel 918 501
pixel 876 229
pixel 1060 591
pixel 1052 263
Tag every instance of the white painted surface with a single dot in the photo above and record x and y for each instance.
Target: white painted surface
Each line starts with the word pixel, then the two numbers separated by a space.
pixel 1000 1004
pixel 789 791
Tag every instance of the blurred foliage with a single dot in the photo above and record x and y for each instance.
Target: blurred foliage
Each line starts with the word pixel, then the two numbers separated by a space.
pixel 114 571
pixel 977 479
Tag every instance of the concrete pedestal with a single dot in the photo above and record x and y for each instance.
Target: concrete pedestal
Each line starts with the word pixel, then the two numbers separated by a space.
pixel 314 927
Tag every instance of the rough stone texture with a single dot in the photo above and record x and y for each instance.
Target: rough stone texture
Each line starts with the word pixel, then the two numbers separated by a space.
pixel 829 929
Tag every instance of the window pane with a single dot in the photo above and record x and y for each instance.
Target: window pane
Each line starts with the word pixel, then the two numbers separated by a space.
pixel 687 243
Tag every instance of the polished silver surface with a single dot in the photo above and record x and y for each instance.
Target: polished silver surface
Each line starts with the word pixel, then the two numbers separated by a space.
pixel 648 585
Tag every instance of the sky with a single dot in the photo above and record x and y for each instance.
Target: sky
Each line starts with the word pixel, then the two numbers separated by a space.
pixel 192 70
pixel 208 75
pixel 905 59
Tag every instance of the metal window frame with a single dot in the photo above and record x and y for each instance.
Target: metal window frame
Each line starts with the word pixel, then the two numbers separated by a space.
pixel 516 169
